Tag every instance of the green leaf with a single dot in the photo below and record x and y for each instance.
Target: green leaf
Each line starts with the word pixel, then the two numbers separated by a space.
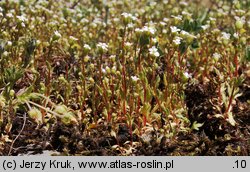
pixel 195 44
pixel 12 74
pixel 158 80
pixel 2 45
pixel 183 47
pixel 247 53
pixel 231 119
pixel 218 116
pixel 145 110
pixel 185 119
pixel 165 80
pixel 144 40
pixel 25 95
pixel 196 125
pixel 148 93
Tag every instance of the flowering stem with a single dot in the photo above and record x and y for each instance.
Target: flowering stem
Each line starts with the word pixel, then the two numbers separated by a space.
pixel 83 91
pixel 124 72
pixel 236 65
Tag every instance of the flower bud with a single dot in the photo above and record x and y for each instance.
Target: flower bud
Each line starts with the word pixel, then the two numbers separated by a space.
pixel 107 70
pixel 69 118
pixel 61 109
pixel 86 59
pixel 36 115
pixel 2 101
pixel 91 66
pixel 239 24
pixel 12 93
pixel 91 80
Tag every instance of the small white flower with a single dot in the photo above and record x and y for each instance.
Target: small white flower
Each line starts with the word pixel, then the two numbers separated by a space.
pixel 73 38
pixel 134 78
pixel 241 19
pixel 179 17
pixel 154 40
pixel 184 33
pixel 240 11
pixel 236 35
pixel 5 53
pixel 177 40
pixel 128 16
pixel 57 34
pixel 130 26
pixel 154 52
pixel 84 20
pixel 9 15
pixel 22 18
pixel 151 30
pixel 102 46
pixel 104 70
pixel 165 1
pixel 216 56
pixel 166 19
pixel 174 29
pixel 128 44
pixel 212 19
pixel 187 35
pixel 163 23
pixel 205 27
pixel 134 18
pixel 138 30
pixel 187 75
pixel 225 35
pixel 184 3
pixel 185 13
pixel 9 43
pixel 152 4
pixel 86 46
pixel 22 24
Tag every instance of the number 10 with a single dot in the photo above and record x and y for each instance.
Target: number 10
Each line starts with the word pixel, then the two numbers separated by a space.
pixel 241 164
